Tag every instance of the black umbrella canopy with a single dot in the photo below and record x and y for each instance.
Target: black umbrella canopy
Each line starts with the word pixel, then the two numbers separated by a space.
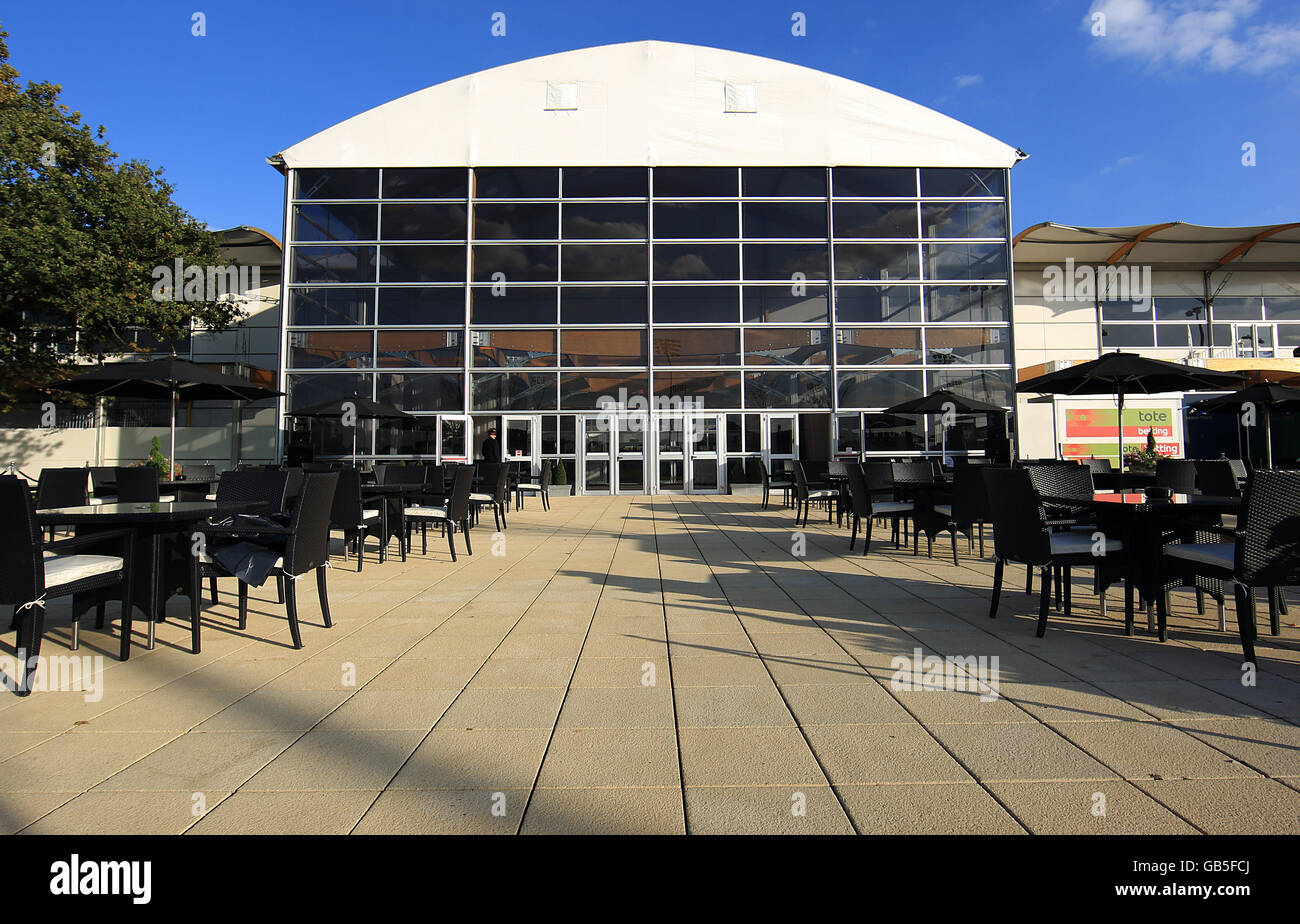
pixel 162 378
pixel 362 408
pixel 1128 374
pixel 1266 394
pixel 941 401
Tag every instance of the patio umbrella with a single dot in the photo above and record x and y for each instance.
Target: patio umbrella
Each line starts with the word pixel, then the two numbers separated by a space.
pixel 941 401
pixel 174 378
pixel 1123 374
pixel 1265 396
pixel 361 408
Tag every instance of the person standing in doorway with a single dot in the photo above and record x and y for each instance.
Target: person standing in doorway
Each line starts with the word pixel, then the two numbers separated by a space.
pixel 491 448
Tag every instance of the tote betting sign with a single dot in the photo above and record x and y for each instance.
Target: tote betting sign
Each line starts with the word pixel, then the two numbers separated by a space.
pixel 1089 430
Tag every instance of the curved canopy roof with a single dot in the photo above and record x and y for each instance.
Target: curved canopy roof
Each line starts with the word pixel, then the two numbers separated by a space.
pixel 1168 244
pixel 649 103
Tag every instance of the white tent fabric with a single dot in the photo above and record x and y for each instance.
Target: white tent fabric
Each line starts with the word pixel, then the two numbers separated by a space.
pixel 652 104
pixel 1167 244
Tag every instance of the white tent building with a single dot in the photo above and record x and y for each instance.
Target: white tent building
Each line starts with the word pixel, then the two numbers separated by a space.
pixel 645 261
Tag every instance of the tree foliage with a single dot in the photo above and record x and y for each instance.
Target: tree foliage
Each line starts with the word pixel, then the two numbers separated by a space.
pixel 80 235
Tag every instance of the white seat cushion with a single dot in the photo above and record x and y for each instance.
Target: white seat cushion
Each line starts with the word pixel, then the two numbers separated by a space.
pixel 528 487
pixel 482 498
pixel 167 499
pixel 64 569
pixel 427 513
pixel 814 495
pixel 891 507
pixel 944 510
pixel 369 514
pixel 1217 554
pixel 1080 544
pixel 210 497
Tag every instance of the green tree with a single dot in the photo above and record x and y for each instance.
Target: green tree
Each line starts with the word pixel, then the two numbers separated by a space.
pixel 80 236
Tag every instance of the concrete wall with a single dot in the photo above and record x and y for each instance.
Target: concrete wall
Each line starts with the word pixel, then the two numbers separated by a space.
pixel 33 449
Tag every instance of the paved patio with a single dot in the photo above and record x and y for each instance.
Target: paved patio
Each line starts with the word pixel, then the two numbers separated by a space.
pixel 665 665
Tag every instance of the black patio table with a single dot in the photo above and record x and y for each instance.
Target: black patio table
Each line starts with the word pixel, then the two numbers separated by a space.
pixel 395 496
pixel 1140 522
pixel 191 489
pixel 162 549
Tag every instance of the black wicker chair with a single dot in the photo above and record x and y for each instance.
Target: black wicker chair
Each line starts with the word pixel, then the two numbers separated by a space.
pixel 61 487
pixel 966 511
pixel 28 576
pixel 492 488
pixel 885 504
pixel 103 484
pixel 1021 534
pixel 270 488
pixel 1216 478
pixel 1098 466
pixel 804 496
pixel 540 487
pixel 757 472
pixel 455 512
pixel 1179 475
pixel 303 546
pixel 350 514
pixel 138 484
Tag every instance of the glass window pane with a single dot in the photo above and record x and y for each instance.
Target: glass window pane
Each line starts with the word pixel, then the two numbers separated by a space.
pixel 962 181
pixel 329 349
pixel 1181 335
pixel 875 219
pixel 963 219
pixel 787 346
pixel 604 304
pixel 425 221
pixel 783 181
pixel 1126 310
pixel 848 433
pixel 879 389
pixel 514 263
pixel 422 263
pixel 421 391
pixel 784 219
pixel 1238 309
pixel 968 303
pixel 787 389
pixel 333 264
pixel 516 221
pixel 696 220
pixel 967 346
pixel 420 348
pixel 601 220
pixel 696 346
pixel 425 182
pixel 711 390
pixel 605 182
pixel 513 348
pixel 798 304
pixel 516 182
pixel 696 261
pixel 876 261
pixel 335 222
pixel 338 183
pixel 417 436
pixel 873 304
pixel 889 433
pixel 1127 335
pixel 1288 335
pixel 604 262
pixel 880 346
pixel 307 390
pixel 696 304
pixel 872 182
pixel 614 347
pixel 695 182
pixel 331 306
pixel 965 261
pixel 996 386
pixel 783 261
pixel 513 391
pixel 580 391
pixel 1222 335
pixel 430 305
pixel 1179 309
pixel 513 305
pixel 1282 307
pixel 753 433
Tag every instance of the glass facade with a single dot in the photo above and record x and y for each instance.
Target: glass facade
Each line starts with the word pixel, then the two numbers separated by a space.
pixel 532 290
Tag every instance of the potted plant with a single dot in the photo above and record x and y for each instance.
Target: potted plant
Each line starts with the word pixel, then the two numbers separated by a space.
pixel 157 461
pixel 560 475
pixel 1144 460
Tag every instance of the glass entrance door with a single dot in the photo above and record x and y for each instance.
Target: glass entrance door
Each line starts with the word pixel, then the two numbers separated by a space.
pixel 595 462
pixel 453 438
pixel 780 440
pixel 630 438
pixel 521 436
pixel 670 435
pixel 706 476
pixel 1254 340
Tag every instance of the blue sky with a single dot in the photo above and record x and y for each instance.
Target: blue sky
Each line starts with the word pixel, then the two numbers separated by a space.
pixel 1146 123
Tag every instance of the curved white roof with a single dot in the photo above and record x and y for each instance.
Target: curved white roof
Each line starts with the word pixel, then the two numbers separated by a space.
pixel 650 103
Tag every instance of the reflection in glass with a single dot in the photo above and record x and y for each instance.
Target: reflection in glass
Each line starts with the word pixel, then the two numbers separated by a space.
pixel 696 220
pixel 974 304
pixel 783 261
pixel 1181 335
pixel 424 182
pixel 1126 310
pixel 595 436
pixel 335 222
pixel 427 305
pixel 513 305
pixel 596 475
pixel 331 306
pixel 611 347
pixel 513 391
pixel 454 433
pixel 873 304
pixel 696 262
pixel 514 348
pixel 992 385
pixel 848 433
pixel 417 436
pixel 711 390
pixel 880 346
pixel 604 262
pixel 789 346
pixel 702 304
pixel 420 348
pixel 421 391
pixel 695 182
pixel 890 433
pixel 338 183
pixel 879 389
pixel 963 219
pixel 781 182
pixel 876 261
pixel 1127 335
pixel 1237 309
pixel 1179 309
pixel 875 219
pixel 605 182
pixel 581 391
pixel 795 304
pixel 599 220
pixel 514 263
pixel 965 261
pixel 307 390
pixel 422 263
pixel 631 476
pixel 874 182
pixel 704 474
pixel 604 304
pixel 1283 307
pixel 333 264
pixel 962 181
pixel 424 221
pixel 787 389
pixel 329 349
pixel 781 436
pixel 784 219
pixel 516 221
pixel 516 182
pixel 699 346
pixel 967 345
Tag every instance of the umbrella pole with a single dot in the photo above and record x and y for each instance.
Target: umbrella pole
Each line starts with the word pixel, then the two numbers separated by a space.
pixel 1268 438
pixel 1120 397
pixel 171 459
pixel 354 446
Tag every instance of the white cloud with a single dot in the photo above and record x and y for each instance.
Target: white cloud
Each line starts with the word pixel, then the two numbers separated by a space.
pixel 1219 35
pixel 1122 162
pixel 968 80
